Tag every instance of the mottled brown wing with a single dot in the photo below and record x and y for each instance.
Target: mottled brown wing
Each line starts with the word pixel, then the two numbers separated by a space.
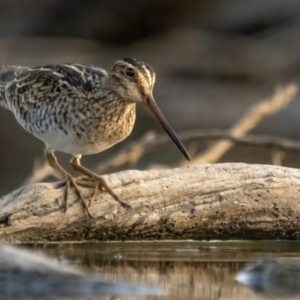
pixel 28 86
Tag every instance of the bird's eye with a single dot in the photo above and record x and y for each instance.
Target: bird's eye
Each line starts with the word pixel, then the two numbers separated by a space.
pixel 129 72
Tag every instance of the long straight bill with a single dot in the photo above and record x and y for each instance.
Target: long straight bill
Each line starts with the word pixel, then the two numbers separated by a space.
pixel 151 104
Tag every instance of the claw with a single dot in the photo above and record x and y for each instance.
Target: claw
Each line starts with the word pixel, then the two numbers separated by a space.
pixel 70 182
pixel 91 180
pixel 94 196
pixel 99 182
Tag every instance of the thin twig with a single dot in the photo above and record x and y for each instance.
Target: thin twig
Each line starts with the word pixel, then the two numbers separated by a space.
pixel 40 171
pixel 264 141
pixel 149 142
pixel 278 156
pixel 281 98
pixel 217 134
pixel 130 153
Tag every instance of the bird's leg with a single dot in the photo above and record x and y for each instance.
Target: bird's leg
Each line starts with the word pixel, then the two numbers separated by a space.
pixel 70 181
pixel 99 182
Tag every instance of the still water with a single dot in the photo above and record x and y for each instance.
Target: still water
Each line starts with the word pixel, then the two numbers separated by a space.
pixel 182 269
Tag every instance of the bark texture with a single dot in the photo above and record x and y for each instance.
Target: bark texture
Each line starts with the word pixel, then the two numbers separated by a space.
pixel 207 201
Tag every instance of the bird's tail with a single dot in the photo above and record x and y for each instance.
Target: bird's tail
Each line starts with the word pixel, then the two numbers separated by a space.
pixel 7 75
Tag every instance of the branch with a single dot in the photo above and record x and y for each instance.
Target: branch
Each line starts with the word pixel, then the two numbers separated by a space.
pixel 261 110
pixel 132 152
pixel 147 144
pixel 40 171
pixel 217 201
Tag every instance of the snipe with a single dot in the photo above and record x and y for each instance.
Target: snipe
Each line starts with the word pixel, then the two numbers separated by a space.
pixel 81 110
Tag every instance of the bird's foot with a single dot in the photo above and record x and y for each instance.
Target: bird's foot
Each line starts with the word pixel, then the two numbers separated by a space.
pixel 99 184
pixel 72 183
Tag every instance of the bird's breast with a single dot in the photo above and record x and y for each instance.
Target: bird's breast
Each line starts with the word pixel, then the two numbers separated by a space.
pixel 117 125
pixel 106 130
pixel 88 129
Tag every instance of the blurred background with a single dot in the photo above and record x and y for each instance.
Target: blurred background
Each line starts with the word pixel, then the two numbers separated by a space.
pixel 214 60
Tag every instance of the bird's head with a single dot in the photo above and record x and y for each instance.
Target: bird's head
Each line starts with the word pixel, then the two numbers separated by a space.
pixel 134 81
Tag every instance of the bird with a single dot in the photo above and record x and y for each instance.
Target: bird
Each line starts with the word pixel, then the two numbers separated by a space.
pixel 81 110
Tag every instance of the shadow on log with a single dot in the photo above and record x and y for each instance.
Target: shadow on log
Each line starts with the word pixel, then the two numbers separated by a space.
pixel 207 201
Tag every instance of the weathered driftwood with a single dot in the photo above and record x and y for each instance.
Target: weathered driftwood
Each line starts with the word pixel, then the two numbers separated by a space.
pixel 218 201
pixel 24 275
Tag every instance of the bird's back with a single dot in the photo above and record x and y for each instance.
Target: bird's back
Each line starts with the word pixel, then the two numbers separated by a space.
pixel 69 107
pixel 23 88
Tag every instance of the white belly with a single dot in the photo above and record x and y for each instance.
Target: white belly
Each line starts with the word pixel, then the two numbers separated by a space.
pixel 71 145
pixel 77 136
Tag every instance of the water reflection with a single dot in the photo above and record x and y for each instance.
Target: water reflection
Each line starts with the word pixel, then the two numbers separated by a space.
pixel 272 277
pixel 184 270
pixel 25 275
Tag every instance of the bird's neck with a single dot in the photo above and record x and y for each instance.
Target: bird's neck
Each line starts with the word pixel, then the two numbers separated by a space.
pixel 112 100
pixel 114 85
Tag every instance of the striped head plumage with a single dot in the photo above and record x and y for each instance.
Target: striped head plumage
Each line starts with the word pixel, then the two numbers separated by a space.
pixel 134 80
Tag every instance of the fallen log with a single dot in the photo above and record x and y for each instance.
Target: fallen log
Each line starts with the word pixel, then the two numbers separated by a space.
pixel 207 201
